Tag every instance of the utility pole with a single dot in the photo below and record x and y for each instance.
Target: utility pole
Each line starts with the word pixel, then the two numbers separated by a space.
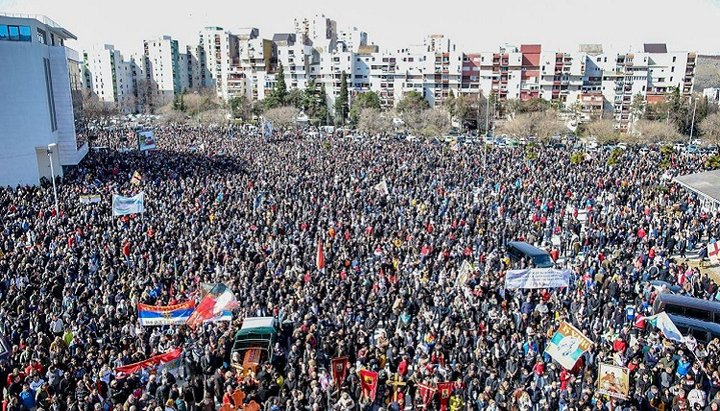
pixel 50 149
pixel 692 123
pixel 487 132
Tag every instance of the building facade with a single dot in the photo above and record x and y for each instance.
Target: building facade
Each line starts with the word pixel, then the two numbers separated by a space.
pixel 35 71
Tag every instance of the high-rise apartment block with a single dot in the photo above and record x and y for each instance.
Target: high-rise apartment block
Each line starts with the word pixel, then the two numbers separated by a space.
pixel 235 63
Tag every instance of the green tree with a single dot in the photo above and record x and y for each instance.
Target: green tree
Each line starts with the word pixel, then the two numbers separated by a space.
pixel 679 111
pixel 412 101
pixel 341 103
pixel 362 101
pixel 296 98
pixel 637 107
pixel 240 107
pixel 316 103
pixel 278 95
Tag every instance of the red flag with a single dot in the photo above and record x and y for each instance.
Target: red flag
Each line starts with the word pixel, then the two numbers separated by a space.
pixel 219 299
pixel 151 362
pixel 426 393
pixel 320 256
pixel 368 382
pixel 339 369
pixel 445 390
pixel 639 321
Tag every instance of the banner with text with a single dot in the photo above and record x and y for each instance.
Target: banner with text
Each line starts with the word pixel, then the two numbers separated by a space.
pixel 537 278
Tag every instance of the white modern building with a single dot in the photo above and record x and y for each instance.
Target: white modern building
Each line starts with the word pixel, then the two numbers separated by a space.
pixel 36 110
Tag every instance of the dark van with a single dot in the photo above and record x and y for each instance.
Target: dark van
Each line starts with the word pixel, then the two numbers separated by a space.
pixel 703 331
pixel 697 317
pixel 539 258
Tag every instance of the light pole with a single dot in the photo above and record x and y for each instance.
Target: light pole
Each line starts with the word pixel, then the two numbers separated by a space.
pixel 692 123
pixel 50 149
pixel 197 103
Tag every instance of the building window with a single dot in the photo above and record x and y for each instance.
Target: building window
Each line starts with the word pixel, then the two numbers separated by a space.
pixel 15 33
pixel 51 97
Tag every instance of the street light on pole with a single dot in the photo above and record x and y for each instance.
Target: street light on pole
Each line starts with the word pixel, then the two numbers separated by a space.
pixel 50 149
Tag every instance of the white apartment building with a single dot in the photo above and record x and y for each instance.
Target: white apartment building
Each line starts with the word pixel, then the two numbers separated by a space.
pixel 109 76
pixel 34 71
pixel 351 39
pixel 650 74
pixel 317 31
pixel 328 71
pixel 296 59
pixel 221 54
pixel 162 59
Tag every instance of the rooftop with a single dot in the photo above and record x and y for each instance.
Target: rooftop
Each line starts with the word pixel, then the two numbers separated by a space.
pixel 44 20
pixel 705 184
pixel 655 48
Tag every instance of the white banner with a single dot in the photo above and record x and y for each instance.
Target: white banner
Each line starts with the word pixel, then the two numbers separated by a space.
pixel 88 199
pixel 537 278
pixel 128 205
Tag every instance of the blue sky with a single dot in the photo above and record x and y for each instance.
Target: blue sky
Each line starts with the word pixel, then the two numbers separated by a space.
pixel 481 25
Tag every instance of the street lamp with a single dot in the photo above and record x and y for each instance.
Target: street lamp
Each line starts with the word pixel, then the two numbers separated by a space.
pixel 50 149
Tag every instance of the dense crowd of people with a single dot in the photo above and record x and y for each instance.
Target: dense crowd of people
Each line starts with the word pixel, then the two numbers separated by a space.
pixel 248 212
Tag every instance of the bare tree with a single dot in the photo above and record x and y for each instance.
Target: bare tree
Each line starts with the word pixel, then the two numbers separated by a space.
pixel 435 122
pixel 167 115
pixel 603 130
pixel 541 124
pixel 282 117
pixel 217 116
pixel 127 103
pixel 547 124
pixel 648 131
pixel 520 126
pixel 373 122
pixel 710 128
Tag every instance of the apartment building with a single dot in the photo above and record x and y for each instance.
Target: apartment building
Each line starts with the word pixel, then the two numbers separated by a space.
pixel 648 75
pixel 109 76
pixel 162 66
pixel 37 123
pixel 351 39
pixel 221 53
pixel 296 59
pixel 318 31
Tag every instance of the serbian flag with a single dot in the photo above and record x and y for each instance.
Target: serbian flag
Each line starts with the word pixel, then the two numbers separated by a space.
pixel 150 315
pixel 339 369
pixel 213 304
pixel 426 393
pixel 445 390
pixel 368 382
pixel 151 362
pixel 320 261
